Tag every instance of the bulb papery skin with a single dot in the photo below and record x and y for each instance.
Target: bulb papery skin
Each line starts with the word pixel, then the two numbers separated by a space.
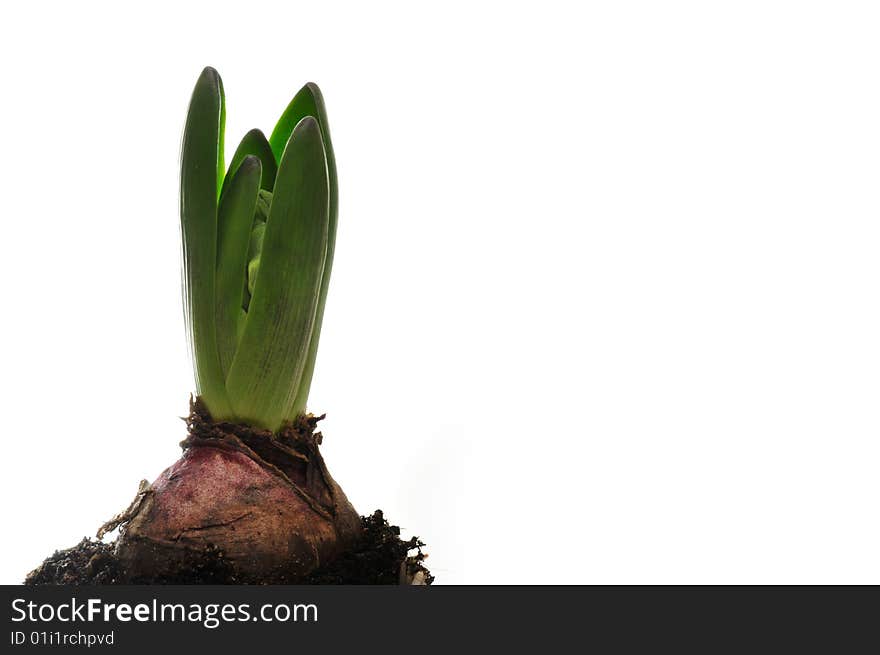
pixel 263 504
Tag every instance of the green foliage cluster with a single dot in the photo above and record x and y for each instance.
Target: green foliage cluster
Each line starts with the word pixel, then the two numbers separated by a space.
pixel 258 242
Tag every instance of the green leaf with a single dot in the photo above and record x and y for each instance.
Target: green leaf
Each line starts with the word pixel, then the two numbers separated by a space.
pixel 271 355
pixel 201 168
pixel 256 247
pixel 254 143
pixel 234 221
pixel 310 102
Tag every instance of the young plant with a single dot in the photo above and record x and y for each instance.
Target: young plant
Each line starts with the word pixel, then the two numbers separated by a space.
pixel 258 243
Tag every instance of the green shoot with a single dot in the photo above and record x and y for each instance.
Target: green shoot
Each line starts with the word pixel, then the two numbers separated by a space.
pixel 257 249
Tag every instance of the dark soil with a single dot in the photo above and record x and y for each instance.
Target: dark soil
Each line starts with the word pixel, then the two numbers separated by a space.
pixel 381 557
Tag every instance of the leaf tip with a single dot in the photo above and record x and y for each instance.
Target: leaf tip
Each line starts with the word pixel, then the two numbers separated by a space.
pixel 256 133
pixel 210 73
pixel 250 162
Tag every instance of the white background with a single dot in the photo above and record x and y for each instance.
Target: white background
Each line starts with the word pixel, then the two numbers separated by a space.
pixel 605 302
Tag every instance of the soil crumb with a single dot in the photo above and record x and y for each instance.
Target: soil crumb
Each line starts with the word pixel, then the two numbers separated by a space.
pixel 381 558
